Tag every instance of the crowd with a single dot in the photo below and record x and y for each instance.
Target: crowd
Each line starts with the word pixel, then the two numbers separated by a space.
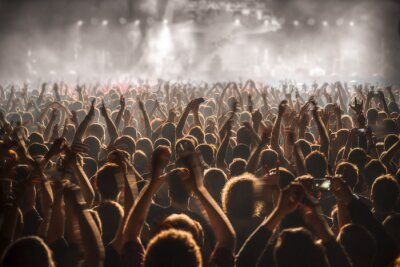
pixel 176 173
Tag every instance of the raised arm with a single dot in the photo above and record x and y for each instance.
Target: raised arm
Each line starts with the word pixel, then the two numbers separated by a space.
pixel 80 131
pixel 146 120
pixel 89 232
pixel 224 146
pixel 323 132
pixel 112 130
pixel 276 129
pixel 137 215
pixel 223 230
pixel 120 112
pixel 255 155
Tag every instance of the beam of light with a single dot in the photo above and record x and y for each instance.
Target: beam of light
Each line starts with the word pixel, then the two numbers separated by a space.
pixel 137 22
pixel 165 22
pixel 79 23
pixel 296 23
pixel 105 22
pixel 351 23
pixel 325 23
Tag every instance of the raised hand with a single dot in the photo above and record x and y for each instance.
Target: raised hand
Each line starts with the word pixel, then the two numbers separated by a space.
pixel 103 109
pixel 256 116
pixel 122 102
pixel 283 106
pixel 289 198
pixel 357 107
pixel 341 190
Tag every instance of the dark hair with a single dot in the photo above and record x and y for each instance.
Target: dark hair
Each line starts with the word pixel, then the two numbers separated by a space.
pixel 358 156
pixel 127 143
pixel 173 248
pixel 106 181
pixel 268 158
pixel 241 151
pixel 168 131
pixel 373 170
pixel 37 149
pixel 238 199
pixel 358 243
pixel 97 130
pixel 349 172
pixel 141 161
pixel 316 164
pixel 26 251
pixel 162 142
pixel 111 214
pixel 94 146
pixel 144 144
pixel 210 138
pixel 390 140
pixel 184 223
pixel 177 190
pixel 36 138
pixel 237 167
pixel 372 115
pixel 198 133
pixel 243 136
pixel 131 131
pixel 214 182
pixel 291 242
pixel 385 192
pixel 305 146
pixel 207 152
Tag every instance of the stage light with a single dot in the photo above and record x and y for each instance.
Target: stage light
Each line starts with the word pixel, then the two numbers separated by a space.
pixel 296 23
pixel 105 22
pixel 351 23
pixel 237 22
pixel 311 21
pixel 122 20
pixel 79 23
pixel 165 22
pixel 137 22
pixel 325 23
pixel 266 22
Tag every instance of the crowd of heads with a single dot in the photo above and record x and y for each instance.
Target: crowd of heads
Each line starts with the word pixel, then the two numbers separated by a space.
pixel 173 173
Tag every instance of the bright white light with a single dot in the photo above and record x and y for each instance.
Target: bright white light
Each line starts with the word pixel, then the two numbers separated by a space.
pixel 296 23
pixel 122 20
pixel 237 22
pixel 79 23
pixel 165 21
pixel 266 22
pixel 351 23
pixel 105 22
pixel 311 21
pixel 325 23
pixel 137 22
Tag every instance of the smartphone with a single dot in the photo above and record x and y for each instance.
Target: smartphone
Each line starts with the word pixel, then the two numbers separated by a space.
pixel 361 130
pixel 321 184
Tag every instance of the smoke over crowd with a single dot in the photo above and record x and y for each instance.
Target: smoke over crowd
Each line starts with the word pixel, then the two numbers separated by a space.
pixel 356 40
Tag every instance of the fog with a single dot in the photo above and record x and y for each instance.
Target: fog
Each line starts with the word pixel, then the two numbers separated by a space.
pixel 296 40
